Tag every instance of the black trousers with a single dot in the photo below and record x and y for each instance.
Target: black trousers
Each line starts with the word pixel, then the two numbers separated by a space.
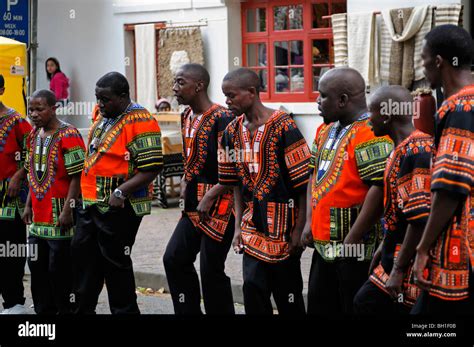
pixel 12 269
pixel 283 280
pixel 370 299
pixel 333 285
pixel 51 276
pixel 428 304
pixel 181 251
pixel 101 249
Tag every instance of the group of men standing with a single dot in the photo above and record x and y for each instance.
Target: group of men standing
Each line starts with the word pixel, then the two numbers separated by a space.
pixel 370 182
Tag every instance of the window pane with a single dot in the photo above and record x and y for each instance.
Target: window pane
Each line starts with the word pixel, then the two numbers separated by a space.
pixel 296 17
pixel 263 74
pixel 256 54
pixel 281 80
pixel 288 17
pixel 297 80
pixel 251 54
pixel 339 6
pixel 318 72
pixel 320 10
pixel 281 53
pixel 296 52
pixel 322 53
pixel 256 20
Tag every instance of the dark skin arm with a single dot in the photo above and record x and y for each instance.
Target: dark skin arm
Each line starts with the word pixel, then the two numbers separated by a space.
pixel 239 208
pixel 307 235
pixel 209 198
pixel 295 246
pixel 443 207
pixel 369 215
pixel 14 185
pixel 140 180
pixel 406 253
pixel 28 213
pixel 66 219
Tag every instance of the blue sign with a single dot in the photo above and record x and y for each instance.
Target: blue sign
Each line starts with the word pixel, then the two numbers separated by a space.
pixel 14 19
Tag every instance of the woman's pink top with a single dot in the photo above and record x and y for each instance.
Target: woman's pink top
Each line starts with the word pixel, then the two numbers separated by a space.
pixel 59 84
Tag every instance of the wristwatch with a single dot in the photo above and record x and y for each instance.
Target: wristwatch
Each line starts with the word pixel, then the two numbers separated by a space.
pixel 119 194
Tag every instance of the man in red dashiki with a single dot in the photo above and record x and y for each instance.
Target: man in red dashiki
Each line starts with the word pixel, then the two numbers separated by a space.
pixel 448 239
pixel 266 160
pixel 391 288
pixel 54 165
pixel 14 129
pixel 207 223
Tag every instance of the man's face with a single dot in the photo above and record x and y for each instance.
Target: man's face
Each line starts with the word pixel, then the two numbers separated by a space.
pixel 238 100
pixel 184 87
pixel 110 104
pixel 430 70
pixel 40 112
pixel 327 102
pixel 377 119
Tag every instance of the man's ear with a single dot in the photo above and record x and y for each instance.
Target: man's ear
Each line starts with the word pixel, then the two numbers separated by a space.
pixel 199 86
pixel 343 99
pixel 439 61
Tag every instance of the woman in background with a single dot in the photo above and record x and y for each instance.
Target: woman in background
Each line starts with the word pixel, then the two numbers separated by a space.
pixel 58 82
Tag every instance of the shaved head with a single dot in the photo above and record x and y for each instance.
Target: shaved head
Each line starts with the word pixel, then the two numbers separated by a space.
pixel 346 80
pixel 197 72
pixel 397 96
pixel 244 78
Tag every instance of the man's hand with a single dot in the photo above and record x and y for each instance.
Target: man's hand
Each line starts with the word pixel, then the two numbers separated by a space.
pixel 307 236
pixel 237 241
pixel 14 185
pixel 204 206
pixel 395 282
pixel 116 202
pixel 295 247
pixel 27 216
pixel 376 259
pixel 182 190
pixel 351 240
pixel 421 263
pixel 66 221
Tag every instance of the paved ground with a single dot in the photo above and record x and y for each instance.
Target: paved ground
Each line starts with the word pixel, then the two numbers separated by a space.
pixel 157 228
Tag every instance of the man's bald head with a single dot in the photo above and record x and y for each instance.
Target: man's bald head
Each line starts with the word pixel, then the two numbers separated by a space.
pixel 345 80
pixel 393 101
pixel 197 72
pixel 391 109
pixel 244 79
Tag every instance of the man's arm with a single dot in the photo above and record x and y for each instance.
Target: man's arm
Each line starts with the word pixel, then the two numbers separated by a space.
pixel 370 213
pixel 443 206
pixel 307 235
pixel 140 180
pixel 295 244
pixel 406 253
pixel 209 198
pixel 239 208
pixel 14 186
pixel 66 219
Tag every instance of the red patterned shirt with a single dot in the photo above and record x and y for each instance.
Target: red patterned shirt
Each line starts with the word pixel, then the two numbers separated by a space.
pixel 407 201
pixel 50 164
pixel 14 128
pixel 453 172
pixel 271 168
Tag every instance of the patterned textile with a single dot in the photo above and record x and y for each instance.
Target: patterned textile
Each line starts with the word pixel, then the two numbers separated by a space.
pixel 201 136
pixel 14 130
pixel 271 168
pixel 453 172
pixel 118 148
pixel 346 162
pixel 407 201
pixel 50 163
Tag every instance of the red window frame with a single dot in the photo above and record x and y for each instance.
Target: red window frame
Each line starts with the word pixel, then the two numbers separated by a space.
pixel 307 34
